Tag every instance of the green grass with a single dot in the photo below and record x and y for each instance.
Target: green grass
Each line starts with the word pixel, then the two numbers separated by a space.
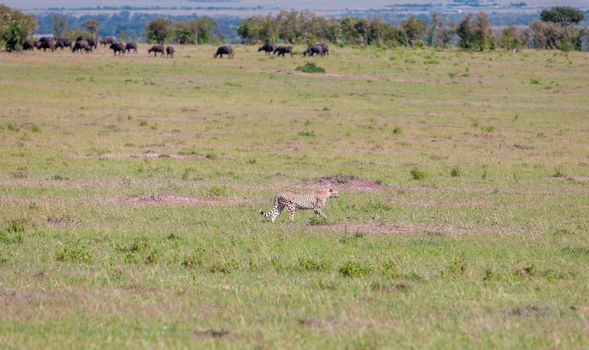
pixel 130 190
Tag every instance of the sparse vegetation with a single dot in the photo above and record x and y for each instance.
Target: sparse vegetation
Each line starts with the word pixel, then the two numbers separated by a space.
pixel 310 67
pixel 418 174
pixel 114 234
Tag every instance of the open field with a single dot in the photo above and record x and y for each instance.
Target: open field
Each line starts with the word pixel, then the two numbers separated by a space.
pixel 129 190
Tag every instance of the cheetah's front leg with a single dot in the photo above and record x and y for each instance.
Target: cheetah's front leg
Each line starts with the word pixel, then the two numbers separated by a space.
pixel 291 211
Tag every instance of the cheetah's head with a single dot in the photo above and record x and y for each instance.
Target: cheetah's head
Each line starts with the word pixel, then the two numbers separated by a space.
pixel 333 193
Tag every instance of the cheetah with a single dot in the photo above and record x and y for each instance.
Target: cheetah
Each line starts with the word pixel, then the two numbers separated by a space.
pixel 292 201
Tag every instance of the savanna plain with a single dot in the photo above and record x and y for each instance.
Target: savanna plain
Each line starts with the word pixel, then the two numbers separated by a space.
pixel 130 189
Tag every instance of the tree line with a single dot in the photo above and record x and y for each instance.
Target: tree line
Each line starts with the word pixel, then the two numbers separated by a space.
pixel 556 28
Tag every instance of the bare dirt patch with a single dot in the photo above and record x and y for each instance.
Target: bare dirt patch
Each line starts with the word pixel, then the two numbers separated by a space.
pixel 176 199
pixel 430 229
pixel 344 181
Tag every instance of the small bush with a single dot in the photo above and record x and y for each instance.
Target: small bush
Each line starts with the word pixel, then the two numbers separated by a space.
pixel 355 269
pixel 351 238
pixel 306 133
pixel 211 155
pixel 418 174
pixel 456 171
pixel 389 269
pixel 16 226
pixel 558 172
pixel 187 152
pixel 7 238
pixel 35 128
pixel 12 127
pixel 397 130
pixel 310 67
pixel 534 82
pixel 74 252
pixel 218 191
pixel 312 265
pixel 318 220
pixel 488 128
pixel 152 257
pixel 456 268
pixel 143 123
pixel 576 251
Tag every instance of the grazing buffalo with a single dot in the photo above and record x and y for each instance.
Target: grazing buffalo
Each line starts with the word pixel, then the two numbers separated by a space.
pixel 313 50
pixel 118 48
pixel 283 50
pixel 107 41
pixel 28 45
pixel 47 44
pixel 156 49
pixel 81 45
pixel 63 43
pixel 37 44
pixel 224 50
pixel 131 46
pixel 92 43
pixel 170 51
pixel 267 48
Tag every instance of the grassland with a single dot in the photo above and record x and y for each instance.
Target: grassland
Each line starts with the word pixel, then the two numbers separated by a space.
pixel 129 190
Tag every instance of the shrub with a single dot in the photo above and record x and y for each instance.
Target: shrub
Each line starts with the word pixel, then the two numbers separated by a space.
pixel 558 172
pixel 312 265
pixel 456 268
pixel 211 155
pixel 318 220
pixel 16 226
pixel 306 133
pixel 456 171
pixel 310 67
pixel 35 128
pixel 10 238
pixel 534 81
pixel 353 268
pixel 418 174
pixel 397 130
pixel 12 127
pixel 218 191
pixel 488 128
pixel 74 252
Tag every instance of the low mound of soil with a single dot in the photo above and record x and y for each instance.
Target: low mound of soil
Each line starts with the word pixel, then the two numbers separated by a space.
pixel 175 199
pixel 343 181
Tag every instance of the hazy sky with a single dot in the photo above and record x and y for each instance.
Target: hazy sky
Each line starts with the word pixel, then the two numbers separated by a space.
pixel 300 4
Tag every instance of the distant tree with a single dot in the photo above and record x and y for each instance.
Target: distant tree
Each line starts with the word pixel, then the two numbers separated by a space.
pixel 563 15
pixel 513 39
pixel 475 32
pixel 73 34
pixel 59 26
pixel 158 30
pixel 205 30
pixel 440 31
pixel 414 29
pixel 182 33
pixel 15 28
pixel 550 35
pixel 92 25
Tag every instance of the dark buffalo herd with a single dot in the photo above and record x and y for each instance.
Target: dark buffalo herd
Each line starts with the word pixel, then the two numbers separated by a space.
pixel 83 44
